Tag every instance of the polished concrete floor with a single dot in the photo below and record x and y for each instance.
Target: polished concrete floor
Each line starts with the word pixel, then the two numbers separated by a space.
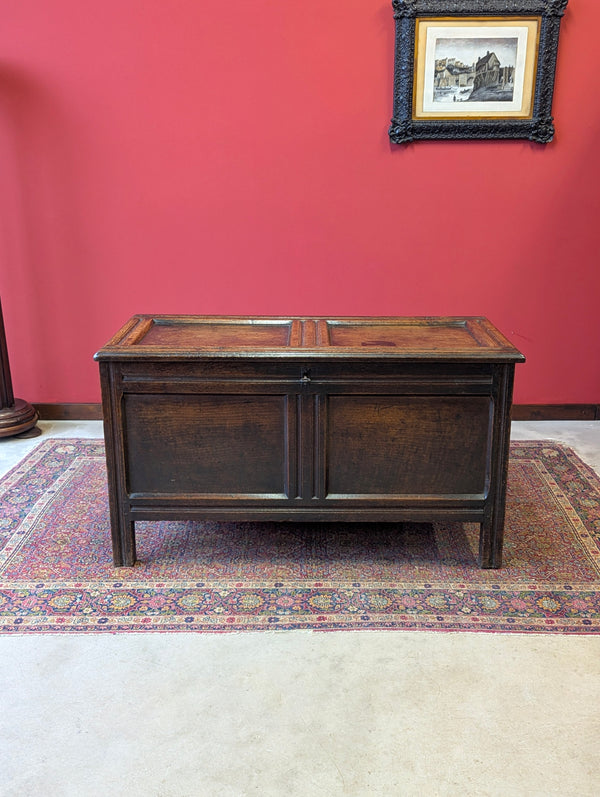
pixel 297 713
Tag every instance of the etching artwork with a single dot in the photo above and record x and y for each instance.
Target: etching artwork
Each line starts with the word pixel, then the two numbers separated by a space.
pixel 475 70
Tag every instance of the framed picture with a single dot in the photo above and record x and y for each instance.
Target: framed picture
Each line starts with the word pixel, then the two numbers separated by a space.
pixel 475 69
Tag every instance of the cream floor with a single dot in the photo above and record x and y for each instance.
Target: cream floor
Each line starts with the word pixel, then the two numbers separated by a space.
pixel 297 713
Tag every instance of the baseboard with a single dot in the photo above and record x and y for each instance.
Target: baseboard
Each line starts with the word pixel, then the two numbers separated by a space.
pixel 520 412
pixel 556 412
pixel 69 412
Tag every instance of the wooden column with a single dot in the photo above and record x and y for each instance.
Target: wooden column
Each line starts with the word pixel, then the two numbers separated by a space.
pixel 16 416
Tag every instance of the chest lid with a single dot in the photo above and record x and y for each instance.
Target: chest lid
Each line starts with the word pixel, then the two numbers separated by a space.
pixel 457 339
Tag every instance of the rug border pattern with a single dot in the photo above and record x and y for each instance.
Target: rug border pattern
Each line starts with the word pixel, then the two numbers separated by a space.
pixel 163 606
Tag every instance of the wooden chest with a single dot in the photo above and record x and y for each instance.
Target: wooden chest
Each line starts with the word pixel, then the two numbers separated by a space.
pixel 342 419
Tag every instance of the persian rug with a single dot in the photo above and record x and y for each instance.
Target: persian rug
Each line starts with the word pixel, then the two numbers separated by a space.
pixel 56 572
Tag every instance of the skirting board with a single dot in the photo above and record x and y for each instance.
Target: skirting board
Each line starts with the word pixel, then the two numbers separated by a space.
pixel 556 412
pixel 69 412
pixel 520 412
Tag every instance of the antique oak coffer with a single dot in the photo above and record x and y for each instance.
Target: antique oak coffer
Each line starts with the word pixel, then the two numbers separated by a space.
pixel 293 419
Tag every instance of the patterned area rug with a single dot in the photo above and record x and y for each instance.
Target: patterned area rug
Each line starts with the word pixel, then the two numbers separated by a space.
pixel 56 573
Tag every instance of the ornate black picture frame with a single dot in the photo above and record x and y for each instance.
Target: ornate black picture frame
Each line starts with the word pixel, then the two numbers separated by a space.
pixel 467 69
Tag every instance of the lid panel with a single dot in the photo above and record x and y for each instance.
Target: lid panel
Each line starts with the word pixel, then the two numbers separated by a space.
pixel 207 334
pixel 414 335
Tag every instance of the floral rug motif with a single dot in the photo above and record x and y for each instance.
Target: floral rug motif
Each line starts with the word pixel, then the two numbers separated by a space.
pixel 56 572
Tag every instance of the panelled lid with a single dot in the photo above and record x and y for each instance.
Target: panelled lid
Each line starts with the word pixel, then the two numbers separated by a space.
pixel 195 337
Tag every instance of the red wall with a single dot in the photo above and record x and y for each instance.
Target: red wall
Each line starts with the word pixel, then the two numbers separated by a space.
pixel 232 157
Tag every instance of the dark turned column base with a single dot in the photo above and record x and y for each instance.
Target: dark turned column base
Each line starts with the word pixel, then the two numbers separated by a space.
pixel 18 419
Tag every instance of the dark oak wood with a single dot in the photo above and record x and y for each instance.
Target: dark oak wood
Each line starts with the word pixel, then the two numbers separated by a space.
pixel 17 417
pixel 347 419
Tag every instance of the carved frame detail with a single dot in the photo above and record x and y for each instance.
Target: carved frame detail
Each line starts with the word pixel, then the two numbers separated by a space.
pixel 539 127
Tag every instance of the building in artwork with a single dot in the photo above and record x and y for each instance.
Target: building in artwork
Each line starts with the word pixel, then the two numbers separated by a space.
pixel 485 77
pixel 487 71
pixel 449 73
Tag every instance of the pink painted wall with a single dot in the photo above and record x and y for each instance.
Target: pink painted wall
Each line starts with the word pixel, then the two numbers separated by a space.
pixel 232 157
